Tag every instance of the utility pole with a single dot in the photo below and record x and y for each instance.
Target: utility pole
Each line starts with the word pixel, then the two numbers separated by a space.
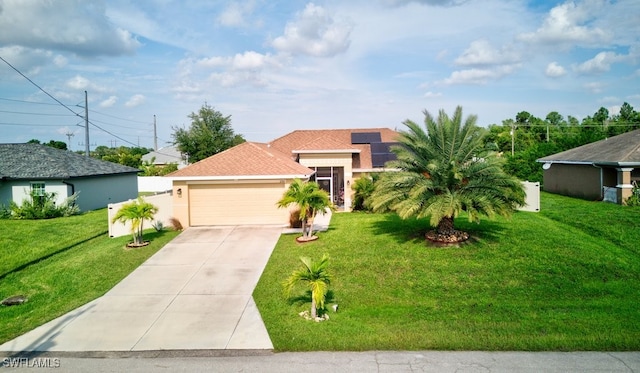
pixel 69 135
pixel 86 125
pixel 513 135
pixel 155 134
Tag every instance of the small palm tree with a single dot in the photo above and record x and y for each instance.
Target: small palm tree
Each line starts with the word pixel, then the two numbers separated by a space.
pixel 315 276
pixel 310 199
pixel 444 171
pixel 137 212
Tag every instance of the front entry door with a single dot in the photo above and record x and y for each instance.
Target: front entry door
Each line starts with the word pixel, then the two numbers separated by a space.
pixel 326 184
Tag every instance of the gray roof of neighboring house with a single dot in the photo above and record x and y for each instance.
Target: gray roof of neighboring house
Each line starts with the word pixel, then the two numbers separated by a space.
pixel 168 154
pixel 620 150
pixel 36 161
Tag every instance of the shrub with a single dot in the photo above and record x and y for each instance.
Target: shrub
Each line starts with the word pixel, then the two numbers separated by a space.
pixel 363 187
pixel 294 219
pixel 175 223
pixel 634 199
pixel 43 207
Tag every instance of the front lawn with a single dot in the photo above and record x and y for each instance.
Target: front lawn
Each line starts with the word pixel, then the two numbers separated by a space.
pixel 61 264
pixel 567 278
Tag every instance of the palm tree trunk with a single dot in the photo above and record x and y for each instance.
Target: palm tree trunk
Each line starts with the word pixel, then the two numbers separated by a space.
pixel 314 311
pixel 311 219
pixel 445 226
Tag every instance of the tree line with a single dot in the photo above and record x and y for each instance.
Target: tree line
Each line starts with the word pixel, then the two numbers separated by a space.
pixel 526 138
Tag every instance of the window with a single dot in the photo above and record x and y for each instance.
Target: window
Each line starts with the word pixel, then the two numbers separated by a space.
pixel 37 189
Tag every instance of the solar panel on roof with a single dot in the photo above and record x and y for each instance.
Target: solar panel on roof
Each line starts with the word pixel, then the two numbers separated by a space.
pixel 365 137
pixel 379 160
pixel 381 153
pixel 382 147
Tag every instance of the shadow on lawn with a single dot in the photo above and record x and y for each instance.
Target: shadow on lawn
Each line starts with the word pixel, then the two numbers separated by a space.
pixel 37 260
pixel 414 230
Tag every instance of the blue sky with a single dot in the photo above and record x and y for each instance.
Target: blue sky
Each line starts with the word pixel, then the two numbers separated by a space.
pixel 276 66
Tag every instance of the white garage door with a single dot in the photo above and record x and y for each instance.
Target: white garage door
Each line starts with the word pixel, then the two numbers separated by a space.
pixel 233 204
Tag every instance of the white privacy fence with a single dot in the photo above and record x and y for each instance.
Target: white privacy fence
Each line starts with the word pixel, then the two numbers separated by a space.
pixel 154 184
pixel 165 211
pixel 533 196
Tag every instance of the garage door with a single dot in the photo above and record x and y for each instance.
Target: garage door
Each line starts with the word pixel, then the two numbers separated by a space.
pixel 232 204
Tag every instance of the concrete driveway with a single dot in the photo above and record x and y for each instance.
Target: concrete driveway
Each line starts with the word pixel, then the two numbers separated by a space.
pixel 193 294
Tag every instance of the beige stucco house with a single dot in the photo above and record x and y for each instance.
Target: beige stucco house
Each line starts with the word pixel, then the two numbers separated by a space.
pixel 242 185
pixel 604 169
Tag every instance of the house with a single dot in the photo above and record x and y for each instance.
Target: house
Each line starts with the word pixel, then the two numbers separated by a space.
pixel 165 156
pixel 34 167
pixel 242 185
pixel 601 170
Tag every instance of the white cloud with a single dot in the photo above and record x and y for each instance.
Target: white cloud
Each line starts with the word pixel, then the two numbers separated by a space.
pixel 479 76
pixel 554 70
pixel 314 32
pixel 432 94
pixel 83 84
pixel 424 2
pixel 599 64
pixel 76 26
pixel 568 25
pixel 236 13
pixel 135 100
pixel 109 102
pixel 481 53
pixel 594 87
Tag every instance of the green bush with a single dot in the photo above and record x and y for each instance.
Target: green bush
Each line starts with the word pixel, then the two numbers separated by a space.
pixel 363 187
pixel 43 207
pixel 634 200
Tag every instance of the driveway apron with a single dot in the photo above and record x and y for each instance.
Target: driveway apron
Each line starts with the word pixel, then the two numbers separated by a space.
pixel 193 294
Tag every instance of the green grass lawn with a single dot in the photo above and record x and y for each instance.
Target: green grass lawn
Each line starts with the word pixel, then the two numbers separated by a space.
pixel 567 278
pixel 60 264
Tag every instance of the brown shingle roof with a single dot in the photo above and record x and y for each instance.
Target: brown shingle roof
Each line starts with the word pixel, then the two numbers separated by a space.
pixel 335 139
pixel 246 159
pixel 620 150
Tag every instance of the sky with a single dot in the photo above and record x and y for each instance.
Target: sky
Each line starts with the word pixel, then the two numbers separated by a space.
pixel 276 66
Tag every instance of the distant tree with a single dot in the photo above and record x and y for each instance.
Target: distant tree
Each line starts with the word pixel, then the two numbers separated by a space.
pixel 57 144
pixel 123 155
pixel 52 143
pixel 210 133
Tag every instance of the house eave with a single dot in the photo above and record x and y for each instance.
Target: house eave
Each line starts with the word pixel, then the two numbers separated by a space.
pixel 238 177
pixel 328 151
pixel 375 169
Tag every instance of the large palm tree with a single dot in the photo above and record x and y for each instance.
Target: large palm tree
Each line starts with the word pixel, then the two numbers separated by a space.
pixel 445 169
pixel 310 199
pixel 313 275
pixel 137 212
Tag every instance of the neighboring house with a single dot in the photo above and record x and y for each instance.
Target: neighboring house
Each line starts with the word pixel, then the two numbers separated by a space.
pixel 27 167
pixel 601 170
pixel 164 156
pixel 242 185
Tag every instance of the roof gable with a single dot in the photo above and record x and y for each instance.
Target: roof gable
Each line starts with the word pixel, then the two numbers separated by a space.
pixel 36 161
pixel 246 159
pixel 620 149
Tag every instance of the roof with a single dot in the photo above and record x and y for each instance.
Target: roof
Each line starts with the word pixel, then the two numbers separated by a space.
pixel 620 150
pixel 36 161
pixel 247 159
pixel 168 154
pixel 305 141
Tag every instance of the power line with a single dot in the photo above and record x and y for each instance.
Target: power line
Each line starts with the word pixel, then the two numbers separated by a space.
pixel 115 117
pixel 40 88
pixel 46 114
pixel 27 102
